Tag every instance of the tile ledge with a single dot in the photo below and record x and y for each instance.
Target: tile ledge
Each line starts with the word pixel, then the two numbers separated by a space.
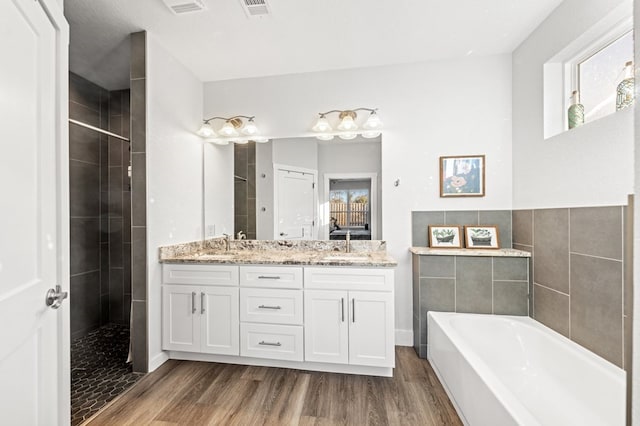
pixel 507 252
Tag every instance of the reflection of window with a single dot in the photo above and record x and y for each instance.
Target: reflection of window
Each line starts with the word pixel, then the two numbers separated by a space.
pixel 350 207
pixel 599 74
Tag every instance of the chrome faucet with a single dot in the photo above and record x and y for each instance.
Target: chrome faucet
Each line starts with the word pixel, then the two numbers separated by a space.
pixel 348 239
pixel 226 241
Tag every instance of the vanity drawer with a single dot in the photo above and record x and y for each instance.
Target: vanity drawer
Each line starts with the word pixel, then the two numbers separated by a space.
pixel 271 276
pixel 271 341
pixel 275 306
pixel 199 274
pixel 341 278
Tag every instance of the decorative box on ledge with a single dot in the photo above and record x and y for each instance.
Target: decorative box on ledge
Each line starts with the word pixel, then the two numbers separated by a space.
pixel 483 281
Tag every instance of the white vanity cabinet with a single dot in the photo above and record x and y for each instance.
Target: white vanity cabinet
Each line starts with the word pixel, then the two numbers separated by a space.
pixel 345 322
pixel 200 318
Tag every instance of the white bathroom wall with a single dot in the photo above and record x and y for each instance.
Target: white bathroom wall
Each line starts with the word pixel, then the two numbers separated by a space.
pixel 429 109
pixel 174 171
pixel 588 166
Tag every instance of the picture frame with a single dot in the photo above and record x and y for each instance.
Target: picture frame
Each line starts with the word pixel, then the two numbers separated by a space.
pixel 462 176
pixel 445 236
pixel 481 237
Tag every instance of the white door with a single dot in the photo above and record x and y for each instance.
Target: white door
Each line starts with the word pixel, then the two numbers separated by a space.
pixel 326 331
pixel 295 199
pixel 220 329
pixel 371 334
pixel 180 318
pixel 34 354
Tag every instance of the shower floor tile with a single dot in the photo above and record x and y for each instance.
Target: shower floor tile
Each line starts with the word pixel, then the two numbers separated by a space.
pixel 99 371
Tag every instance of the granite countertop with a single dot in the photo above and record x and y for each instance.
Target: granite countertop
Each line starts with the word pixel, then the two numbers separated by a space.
pixel 506 252
pixel 279 252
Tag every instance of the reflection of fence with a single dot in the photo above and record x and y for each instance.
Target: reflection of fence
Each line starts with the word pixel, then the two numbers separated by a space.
pixel 354 214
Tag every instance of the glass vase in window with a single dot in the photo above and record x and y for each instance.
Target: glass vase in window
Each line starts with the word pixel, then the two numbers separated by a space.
pixel 625 96
pixel 575 114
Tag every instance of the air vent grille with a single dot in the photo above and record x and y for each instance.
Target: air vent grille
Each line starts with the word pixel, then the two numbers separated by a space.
pixel 255 8
pixel 186 6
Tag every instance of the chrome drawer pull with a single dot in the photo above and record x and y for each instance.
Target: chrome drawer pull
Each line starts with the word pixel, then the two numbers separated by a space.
pixel 263 343
pixel 342 308
pixel 202 303
pixel 193 302
pixel 267 277
pixel 269 307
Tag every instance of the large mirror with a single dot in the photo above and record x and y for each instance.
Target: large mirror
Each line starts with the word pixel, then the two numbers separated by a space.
pixel 294 188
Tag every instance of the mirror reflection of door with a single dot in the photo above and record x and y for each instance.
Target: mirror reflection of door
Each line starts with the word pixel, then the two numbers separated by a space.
pixel 350 209
pixel 295 203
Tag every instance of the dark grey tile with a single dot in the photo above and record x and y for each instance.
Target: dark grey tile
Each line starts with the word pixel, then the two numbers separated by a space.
pixel 511 298
pixel 240 198
pixel 104 163
pixel 437 294
pixel 597 231
pixel 115 180
pixel 461 217
pixel 628 342
pixel 596 306
pixel 240 159
pixel 126 217
pixel 240 224
pixel 104 309
pixel 138 54
pixel 522 227
pixel 628 257
pixel 530 269
pixel 115 152
pixel 415 282
pixel 115 242
pixel 104 109
pixel 437 266
pixel 501 219
pixel 138 116
pixel 104 268
pixel 84 301
pixel 115 104
pixel 84 189
pixel 422 351
pixel 139 336
pixel 116 296
pixel 138 190
pixel 473 285
pixel 251 181
pixel 510 268
pixel 115 203
pixel 84 145
pixel 126 309
pixel 126 266
pixel 84 115
pixel 420 222
pixel 84 245
pixel 84 92
pixel 416 332
pixel 551 248
pixel 251 153
pixel 139 263
pixel 552 309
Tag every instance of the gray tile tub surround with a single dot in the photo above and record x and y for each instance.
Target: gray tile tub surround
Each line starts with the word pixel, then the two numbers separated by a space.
pixel 472 284
pixel 420 221
pixel 578 274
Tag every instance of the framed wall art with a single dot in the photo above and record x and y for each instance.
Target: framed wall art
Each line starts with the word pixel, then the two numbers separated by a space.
pixel 462 176
pixel 445 236
pixel 481 237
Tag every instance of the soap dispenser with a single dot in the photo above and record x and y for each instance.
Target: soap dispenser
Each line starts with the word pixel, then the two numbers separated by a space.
pixel 575 114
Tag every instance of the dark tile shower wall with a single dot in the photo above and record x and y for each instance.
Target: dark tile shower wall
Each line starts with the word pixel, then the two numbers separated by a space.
pixel 581 263
pixel 88 103
pixel 245 191
pixel 100 207
pixel 119 220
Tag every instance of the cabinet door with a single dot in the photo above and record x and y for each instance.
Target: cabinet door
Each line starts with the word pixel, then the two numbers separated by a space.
pixel 220 320
pixel 326 330
pixel 371 335
pixel 180 318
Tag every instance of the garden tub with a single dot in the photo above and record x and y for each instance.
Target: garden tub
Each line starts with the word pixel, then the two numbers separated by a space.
pixel 507 370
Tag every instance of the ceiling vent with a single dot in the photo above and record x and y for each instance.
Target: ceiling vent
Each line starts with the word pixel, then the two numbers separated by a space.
pixel 179 7
pixel 255 8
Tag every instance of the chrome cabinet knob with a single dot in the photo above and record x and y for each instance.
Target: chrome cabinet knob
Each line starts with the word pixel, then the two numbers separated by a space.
pixel 55 297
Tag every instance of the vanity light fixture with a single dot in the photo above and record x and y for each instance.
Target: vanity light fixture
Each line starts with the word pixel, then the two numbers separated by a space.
pixel 233 130
pixel 347 128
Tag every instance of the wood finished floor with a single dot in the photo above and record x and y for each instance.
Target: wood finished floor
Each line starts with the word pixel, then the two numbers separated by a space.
pixel 199 393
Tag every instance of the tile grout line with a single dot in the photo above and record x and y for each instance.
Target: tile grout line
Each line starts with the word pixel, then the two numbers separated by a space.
pixel 569 265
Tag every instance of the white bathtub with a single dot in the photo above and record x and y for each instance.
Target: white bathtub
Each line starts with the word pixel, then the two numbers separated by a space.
pixel 504 370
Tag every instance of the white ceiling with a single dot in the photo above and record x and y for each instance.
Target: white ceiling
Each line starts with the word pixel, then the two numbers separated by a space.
pixel 299 36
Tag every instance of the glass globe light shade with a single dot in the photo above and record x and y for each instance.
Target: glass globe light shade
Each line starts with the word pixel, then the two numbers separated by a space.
pixel 324 137
pixel 240 141
pixel 373 122
pixel 249 129
pixel 260 139
pixel 347 123
pixel 218 141
pixel 369 134
pixel 322 125
pixel 228 130
pixel 206 131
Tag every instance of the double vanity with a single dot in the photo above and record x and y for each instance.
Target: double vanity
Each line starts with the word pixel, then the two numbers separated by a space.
pixel 307 305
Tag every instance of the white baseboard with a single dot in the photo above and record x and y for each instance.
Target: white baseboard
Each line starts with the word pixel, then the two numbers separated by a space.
pixel 158 360
pixel 404 337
